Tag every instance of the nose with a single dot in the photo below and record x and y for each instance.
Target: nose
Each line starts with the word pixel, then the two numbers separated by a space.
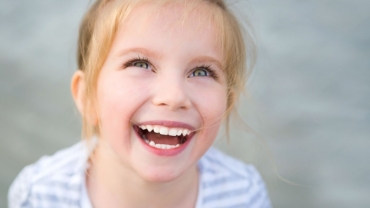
pixel 171 93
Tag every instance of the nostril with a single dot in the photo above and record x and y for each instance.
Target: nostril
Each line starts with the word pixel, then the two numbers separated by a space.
pixel 173 100
pixel 171 91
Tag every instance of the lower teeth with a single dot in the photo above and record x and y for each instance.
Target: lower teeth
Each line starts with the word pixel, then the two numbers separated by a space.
pixel 161 146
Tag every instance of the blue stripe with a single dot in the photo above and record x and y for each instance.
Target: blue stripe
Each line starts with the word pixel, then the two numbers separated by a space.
pixel 62 184
pixel 222 165
pixel 25 204
pixel 227 194
pixel 222 181
pixel 249 171
pixel 208 170
pixel 55 200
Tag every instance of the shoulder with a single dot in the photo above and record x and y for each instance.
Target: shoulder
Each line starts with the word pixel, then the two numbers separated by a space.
pixel 52 179
pixel 228 182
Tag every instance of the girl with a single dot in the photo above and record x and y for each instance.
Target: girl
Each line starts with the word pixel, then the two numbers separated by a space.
pixel 155 81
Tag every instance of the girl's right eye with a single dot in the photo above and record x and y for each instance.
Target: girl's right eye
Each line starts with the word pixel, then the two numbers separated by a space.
pixel 138 62
pixel 141 64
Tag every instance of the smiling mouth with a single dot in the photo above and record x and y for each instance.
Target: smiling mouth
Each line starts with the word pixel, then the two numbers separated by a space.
pixel 162 137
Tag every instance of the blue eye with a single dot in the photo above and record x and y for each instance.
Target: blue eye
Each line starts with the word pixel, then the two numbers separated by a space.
pixel 138 62
pixel 141 64
pixel 200 73
pixel 204 71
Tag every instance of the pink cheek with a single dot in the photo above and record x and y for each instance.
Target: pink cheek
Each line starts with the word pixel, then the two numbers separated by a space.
pixel 215 108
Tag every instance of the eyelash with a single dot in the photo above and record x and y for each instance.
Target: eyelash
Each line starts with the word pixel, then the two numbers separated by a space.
pixel 208 69
pixel 136 60
pixel 146 60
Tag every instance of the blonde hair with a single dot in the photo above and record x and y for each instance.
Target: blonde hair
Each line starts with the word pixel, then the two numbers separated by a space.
pixel 102 20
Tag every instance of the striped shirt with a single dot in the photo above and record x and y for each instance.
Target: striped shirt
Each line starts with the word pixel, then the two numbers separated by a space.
pixel 59 181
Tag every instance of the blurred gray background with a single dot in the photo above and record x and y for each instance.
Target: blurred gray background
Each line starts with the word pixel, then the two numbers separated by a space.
pixel 309 101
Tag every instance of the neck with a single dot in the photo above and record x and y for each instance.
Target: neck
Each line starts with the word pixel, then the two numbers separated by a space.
pixel 110 184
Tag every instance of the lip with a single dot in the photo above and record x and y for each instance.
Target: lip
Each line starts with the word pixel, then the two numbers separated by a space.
pixel 165 152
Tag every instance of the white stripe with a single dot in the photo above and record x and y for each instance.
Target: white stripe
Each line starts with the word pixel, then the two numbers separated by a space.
pixel 223 182
pixel 58 191
pixel 230 183
pixel 224 162
pixel 235 201
pixel 229 187
pixel 50 165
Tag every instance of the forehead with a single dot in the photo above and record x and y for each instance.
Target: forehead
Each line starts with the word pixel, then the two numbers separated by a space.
pixel 172 13
pixel 171 26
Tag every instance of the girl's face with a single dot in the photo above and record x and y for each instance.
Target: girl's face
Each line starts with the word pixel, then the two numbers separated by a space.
pixel 163 72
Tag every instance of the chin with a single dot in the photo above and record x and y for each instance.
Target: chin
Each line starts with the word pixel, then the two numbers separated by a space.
pixel 159 176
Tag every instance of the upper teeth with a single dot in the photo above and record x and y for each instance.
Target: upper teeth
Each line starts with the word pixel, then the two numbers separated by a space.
pixel 165 130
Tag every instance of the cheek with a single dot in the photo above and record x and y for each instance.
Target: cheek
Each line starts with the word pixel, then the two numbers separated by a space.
pixel 213 106
pixel 113 119
pixel 117 99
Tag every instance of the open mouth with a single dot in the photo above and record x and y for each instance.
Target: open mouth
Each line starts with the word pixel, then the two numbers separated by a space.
pixel 162 137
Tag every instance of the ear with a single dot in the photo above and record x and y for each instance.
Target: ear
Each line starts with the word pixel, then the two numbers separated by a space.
pixel 78 89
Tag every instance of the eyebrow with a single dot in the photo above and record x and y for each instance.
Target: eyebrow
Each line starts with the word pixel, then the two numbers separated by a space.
pixel 208 59
pixel 143 51
pixel 151 53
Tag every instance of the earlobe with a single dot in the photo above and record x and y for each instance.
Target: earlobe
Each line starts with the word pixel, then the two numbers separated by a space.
pixel 78 90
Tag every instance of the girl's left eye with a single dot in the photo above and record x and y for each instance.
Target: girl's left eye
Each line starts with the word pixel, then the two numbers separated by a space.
pixel 203 71
pixel 200 73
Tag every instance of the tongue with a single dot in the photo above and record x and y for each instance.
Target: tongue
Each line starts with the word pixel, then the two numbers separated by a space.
pixel 162 139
